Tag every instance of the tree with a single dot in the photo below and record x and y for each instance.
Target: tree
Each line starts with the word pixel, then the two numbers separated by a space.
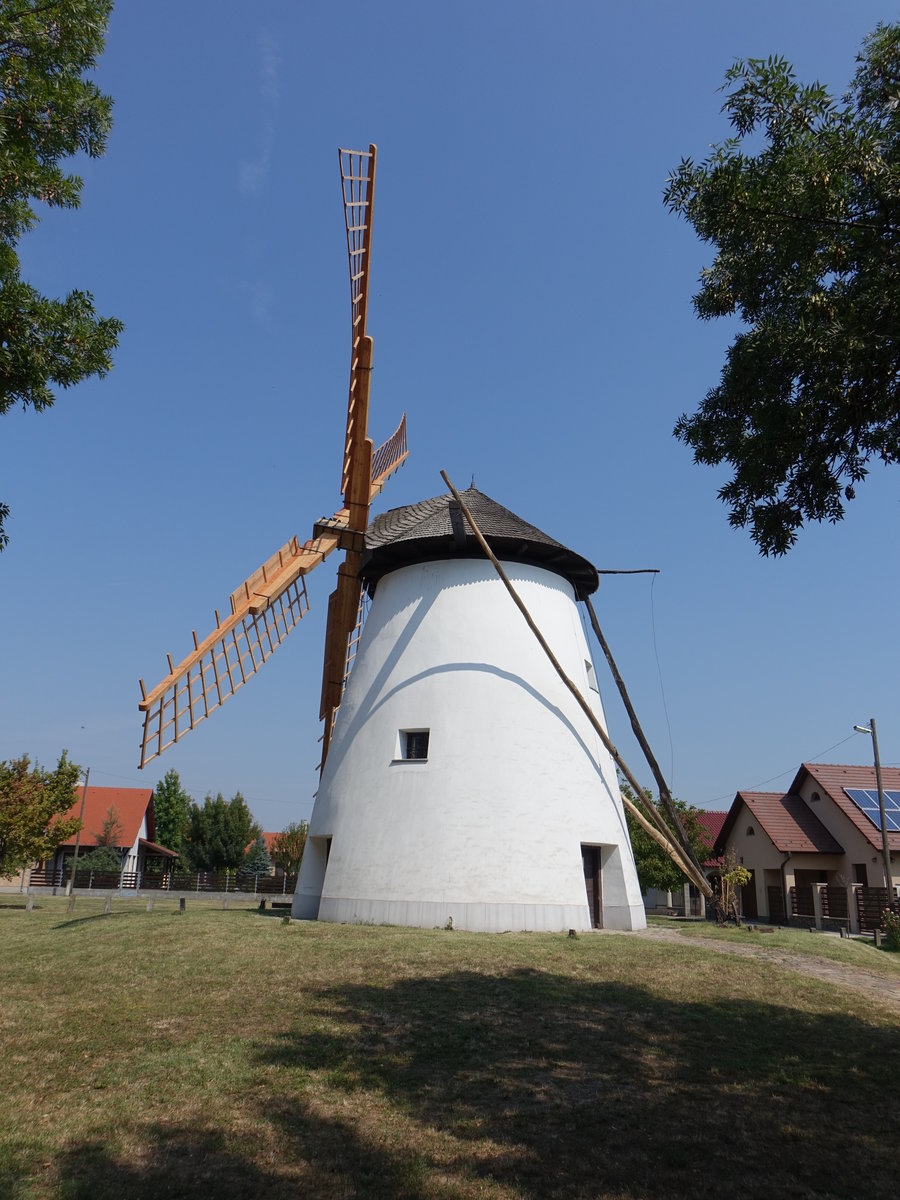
pixel 32 802
pixel 218 832
pixel 49 111
pixel 110 829
pixel 107 853
pixel 654 867
pixel 256 860
pixel 288 847
pixel 808 255
pixel 171 812
pixel 106 859
pixel 731 877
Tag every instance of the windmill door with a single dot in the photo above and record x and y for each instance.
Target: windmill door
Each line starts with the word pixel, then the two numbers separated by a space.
pixel 591 857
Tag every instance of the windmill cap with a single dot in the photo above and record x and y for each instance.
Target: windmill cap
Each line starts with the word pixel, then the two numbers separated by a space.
pixel 437 529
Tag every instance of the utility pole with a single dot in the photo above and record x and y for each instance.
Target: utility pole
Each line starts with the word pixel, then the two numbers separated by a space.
pixel 71 886
pixel 885 850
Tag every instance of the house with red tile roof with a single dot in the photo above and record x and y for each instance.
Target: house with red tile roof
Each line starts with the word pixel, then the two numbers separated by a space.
pixel 131 809
pixel 812 834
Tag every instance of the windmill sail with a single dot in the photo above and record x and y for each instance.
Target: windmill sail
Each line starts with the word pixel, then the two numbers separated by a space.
pixel 271 602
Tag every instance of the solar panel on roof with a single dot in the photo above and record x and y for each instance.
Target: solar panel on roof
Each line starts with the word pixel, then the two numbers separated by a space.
pixel 866 800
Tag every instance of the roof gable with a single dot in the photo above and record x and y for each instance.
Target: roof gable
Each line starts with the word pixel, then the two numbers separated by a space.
pixel 832 778
pixel 130 805
pixel 786 820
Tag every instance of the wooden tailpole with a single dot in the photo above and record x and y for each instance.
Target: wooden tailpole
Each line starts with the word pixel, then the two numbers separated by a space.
pixel 665 795
pixel 660 834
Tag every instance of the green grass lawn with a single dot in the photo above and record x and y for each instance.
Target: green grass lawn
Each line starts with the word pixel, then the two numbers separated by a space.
pixel 224 1053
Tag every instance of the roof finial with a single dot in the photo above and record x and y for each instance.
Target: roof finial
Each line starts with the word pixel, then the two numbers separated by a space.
pixel 472 484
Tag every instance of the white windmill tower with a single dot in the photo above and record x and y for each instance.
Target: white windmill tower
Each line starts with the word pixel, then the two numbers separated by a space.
pixel 464 784
pixel 464 781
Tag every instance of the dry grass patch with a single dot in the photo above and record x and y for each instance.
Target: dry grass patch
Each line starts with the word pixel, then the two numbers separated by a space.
pixel 224 1053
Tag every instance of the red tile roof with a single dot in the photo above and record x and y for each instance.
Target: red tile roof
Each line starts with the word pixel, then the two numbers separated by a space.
pixel 130 805
pixel 711 824
pixel 832 778
pixel 268 841
pixel 786 820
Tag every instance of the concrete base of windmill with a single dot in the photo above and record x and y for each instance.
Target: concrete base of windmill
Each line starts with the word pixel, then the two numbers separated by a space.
pixel 476 917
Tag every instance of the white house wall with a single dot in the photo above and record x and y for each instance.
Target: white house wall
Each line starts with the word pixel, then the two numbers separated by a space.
pixel 488 831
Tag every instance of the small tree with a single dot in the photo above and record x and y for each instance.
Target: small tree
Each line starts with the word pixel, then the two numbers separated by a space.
pixel 32 802
pixel 731 877
pixel 288 847
pixel 106 859
pixel 256 860
pixel 110 835
pixel 172 812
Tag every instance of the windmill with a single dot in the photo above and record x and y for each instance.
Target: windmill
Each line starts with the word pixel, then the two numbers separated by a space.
pixel 269 604
pixel 465 783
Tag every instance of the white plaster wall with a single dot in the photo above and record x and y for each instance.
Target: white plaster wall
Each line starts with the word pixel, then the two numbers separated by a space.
pixel 489 830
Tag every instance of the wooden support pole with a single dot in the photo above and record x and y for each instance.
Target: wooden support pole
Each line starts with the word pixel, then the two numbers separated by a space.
pixel 665 795
pixel 661 836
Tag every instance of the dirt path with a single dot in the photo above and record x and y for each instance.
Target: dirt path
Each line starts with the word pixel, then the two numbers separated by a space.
pixel 843 975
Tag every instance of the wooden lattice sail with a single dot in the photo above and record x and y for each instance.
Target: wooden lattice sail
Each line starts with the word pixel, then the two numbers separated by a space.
pixel 270 603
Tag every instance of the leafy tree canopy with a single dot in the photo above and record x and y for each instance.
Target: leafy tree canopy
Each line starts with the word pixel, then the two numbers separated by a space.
pixel 802 205
pixel 171 811
pixel 288 846
pixel 32 801
pixel 49 111
pixel 654 867
pixel 218 832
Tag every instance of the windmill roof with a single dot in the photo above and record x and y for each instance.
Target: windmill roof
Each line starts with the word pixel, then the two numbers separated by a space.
pixel 424 531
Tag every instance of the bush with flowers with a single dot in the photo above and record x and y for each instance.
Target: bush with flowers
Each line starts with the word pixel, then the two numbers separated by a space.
pixel 891 922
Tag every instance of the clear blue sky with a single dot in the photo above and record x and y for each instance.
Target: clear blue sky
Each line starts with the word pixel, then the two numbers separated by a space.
pixel 531 313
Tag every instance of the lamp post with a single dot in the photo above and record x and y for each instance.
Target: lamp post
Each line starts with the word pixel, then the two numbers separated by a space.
pixel 885 851
pixel 70 890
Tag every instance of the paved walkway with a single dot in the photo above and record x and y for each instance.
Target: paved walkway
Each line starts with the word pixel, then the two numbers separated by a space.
pixel 845 975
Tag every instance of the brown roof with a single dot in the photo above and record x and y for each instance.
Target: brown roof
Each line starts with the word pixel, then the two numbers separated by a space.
pixel 789 824
pixel 432 530
pixel 832 778
pixel 130 805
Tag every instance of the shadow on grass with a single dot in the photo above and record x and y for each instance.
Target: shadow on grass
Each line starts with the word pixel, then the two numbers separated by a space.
pixel 534 1085
pixel 100 916
pixel 564 1088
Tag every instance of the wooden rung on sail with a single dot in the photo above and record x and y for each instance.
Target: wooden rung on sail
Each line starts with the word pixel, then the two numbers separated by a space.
pixel 226 660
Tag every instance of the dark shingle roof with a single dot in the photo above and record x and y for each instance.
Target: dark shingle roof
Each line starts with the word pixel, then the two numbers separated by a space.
pixel 425 531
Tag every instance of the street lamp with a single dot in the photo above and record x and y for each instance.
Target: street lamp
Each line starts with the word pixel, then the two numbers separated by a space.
pixel 885 851
pixel 70 890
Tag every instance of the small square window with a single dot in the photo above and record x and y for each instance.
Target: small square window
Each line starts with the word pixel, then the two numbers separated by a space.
pixel 591 676
pixel 414 743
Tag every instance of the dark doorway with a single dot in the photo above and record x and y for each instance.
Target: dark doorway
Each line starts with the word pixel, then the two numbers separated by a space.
pixel 590 856
pixel 748 897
